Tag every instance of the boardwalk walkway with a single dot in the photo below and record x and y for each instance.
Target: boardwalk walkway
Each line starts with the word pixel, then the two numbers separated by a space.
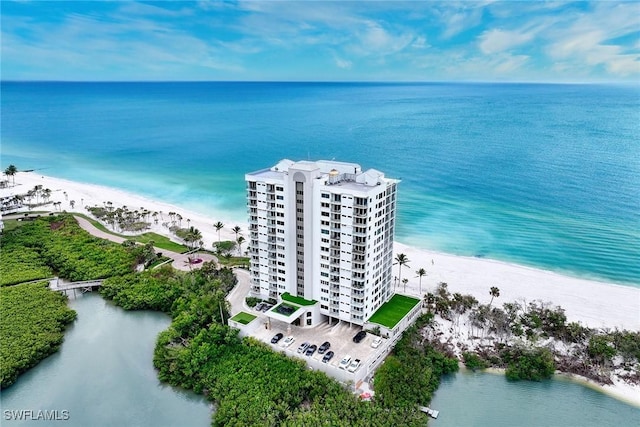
pixel 57 284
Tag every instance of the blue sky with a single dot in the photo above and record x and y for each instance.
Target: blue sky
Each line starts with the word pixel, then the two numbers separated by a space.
pixel 322 41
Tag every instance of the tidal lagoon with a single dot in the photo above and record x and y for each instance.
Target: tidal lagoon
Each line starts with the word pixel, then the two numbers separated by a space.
pixel 103 376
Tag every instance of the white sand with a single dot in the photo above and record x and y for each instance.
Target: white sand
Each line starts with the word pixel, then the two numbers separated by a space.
pixel 594 304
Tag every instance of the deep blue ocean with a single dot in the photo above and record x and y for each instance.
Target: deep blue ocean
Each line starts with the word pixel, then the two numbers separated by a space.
pixel 541 175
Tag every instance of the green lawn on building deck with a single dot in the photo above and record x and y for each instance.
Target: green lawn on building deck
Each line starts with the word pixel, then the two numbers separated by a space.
pixel 244 318
pixel 297 300
pixel 392 311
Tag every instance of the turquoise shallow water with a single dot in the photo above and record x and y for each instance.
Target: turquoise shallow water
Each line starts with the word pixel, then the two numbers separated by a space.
pixel 541 175
pixel 489 400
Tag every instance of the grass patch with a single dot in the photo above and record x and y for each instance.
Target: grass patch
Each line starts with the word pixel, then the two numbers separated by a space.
pixel 11 224
pixel 392 311
pixel 297 300
pixel 159 241
pixel 233 261
pixel 244 318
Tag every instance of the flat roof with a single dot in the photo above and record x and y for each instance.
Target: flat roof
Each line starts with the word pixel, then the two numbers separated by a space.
pixel 297 300
pixel 392 311
pixel 287 318
pixel 244 318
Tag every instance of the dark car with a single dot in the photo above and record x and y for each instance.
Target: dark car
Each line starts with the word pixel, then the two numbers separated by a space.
pixel 310 350
pixel 324 347
pixel 327 356
pixel 359 336
pixel 277 337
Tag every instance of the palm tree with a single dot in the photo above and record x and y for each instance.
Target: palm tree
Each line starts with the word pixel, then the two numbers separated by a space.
pixel 179 218
pixel 494 292
pixel 72 203
pixel 236 230
pixel 192 237
pixel 420 273
pixel 404 282
pixel 240 242
pixel 218 226
pixel 401 260
pixel 11 171
pixel 46 194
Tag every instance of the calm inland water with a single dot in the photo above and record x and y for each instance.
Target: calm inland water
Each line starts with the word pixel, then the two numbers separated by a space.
pixel 103 375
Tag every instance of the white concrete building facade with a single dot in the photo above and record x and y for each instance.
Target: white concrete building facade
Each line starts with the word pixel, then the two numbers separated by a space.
pixel 322 231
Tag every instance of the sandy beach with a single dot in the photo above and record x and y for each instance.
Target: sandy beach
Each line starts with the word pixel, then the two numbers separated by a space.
pixel 594 304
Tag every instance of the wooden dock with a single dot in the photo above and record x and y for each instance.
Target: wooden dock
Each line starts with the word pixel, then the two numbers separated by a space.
pixel 431 412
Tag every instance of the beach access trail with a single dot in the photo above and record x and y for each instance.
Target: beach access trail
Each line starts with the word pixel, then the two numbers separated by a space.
pixel 180 261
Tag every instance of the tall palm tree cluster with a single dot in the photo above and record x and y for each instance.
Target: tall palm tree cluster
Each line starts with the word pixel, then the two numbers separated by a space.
pixel 192 237
pixel 121 219
pixel 239 238
pixel 11 171
pixel 401 260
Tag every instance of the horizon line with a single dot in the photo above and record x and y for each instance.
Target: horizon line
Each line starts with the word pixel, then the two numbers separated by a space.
pixel 378 82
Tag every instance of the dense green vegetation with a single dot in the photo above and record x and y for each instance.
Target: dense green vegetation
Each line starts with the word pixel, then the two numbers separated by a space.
pixel 412 373
pixel 32 323
pixel 57 242
pixel 473 361
pixel 253 301
pixel 251 384
pixel 21 264
pixel 528 364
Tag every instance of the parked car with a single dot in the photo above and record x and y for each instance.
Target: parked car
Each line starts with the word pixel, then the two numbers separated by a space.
pixel 324 347
pixel 354 365
pixel 277 337
pixel 359 336
pixel 303 347
pixel 328 356
pixel 259 306
pixel 310 350
pixel 376 342
pixel 344 363
pixel 288 341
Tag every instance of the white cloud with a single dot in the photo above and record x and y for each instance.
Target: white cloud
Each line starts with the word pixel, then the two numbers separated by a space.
pixel 495 41
pixel 343 63
pixel 420 43
pixel 589 40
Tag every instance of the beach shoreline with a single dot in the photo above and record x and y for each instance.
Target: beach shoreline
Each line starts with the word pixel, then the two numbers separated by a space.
pixel 620 391
pixel 592 303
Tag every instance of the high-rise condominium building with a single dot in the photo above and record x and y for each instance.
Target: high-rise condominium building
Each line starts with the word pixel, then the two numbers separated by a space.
pixel 321 236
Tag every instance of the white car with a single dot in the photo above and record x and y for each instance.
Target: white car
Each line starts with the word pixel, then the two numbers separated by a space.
pixel 288 341
pixel 354 365
pixel 344 363
pixel 376 342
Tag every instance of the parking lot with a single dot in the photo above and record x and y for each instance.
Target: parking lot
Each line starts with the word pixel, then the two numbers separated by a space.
pixel 340 335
